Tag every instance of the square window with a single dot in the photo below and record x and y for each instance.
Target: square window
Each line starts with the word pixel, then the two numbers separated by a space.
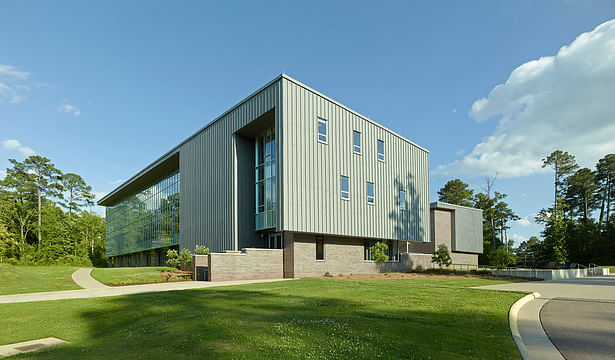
pixel 371 198
pixel 345 187
pixel 356 142
pixel 322 130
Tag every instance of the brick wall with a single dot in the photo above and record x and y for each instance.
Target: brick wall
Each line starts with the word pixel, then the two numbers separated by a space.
pixel 247 265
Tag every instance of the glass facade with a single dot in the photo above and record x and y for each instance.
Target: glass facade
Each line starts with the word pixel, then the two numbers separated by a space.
pixel 146 220
pixel 265 180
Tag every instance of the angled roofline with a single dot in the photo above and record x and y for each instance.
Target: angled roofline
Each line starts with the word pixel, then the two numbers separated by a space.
pixel 297 82
pixel 447 206
pixel 175 149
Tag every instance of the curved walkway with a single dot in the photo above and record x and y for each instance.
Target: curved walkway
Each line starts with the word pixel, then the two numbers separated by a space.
pixel 84 279
pixel 122 290
pixel 558 311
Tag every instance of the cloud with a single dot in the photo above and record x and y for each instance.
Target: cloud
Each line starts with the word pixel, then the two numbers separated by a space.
pixel 460 152
pixel 518 239
pixel 116 182
pixel 556 102
pixel 13 144
pixel 8 71
pixel 11 83
pixel 454 110
pixel 69 109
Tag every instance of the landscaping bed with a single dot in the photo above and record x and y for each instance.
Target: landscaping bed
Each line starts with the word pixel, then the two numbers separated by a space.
pixel 429 275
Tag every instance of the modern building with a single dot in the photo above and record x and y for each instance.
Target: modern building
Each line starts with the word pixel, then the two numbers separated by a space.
pixel 288 168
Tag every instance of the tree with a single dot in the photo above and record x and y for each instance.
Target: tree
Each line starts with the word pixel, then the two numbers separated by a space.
pixel 46 180
pixel 502 258
pixel 441 256
pixel 79 193
pixel 456 192
pixel 563 164
pixel 581 192
pixel 554 247
pixel 379 252
pixel 528 250
pixel 605 178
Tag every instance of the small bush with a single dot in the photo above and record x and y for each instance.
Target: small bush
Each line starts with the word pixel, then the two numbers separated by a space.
pixel 441 256
pixel 328 274
pixel 172 259
pixel 379 253
pixel 201 250
pixel 185 259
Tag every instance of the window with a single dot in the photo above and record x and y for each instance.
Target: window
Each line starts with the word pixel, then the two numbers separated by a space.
pixel 320 248
pixel 322 130
pixel 380 150
pixel 371 198
pixel 345 187
pixel 265 211
pixel 402 200
pixel 356 142
pixel 367 244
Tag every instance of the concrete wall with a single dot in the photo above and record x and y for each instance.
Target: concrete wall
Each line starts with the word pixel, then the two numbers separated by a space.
pixel 543 274
pixel 248 264
pixel 342 256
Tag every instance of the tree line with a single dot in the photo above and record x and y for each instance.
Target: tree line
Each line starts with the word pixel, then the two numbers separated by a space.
pixel 46 217
pixel 579 227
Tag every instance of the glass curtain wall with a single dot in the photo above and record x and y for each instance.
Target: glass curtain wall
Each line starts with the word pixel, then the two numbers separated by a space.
pixel 265 180
pixel 148 219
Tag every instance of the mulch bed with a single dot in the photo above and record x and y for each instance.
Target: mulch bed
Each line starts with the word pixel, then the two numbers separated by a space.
pixel 423 275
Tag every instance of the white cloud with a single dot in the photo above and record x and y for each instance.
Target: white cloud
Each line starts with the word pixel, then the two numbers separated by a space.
pixel 12 84
pixel 556 102
pixel 8 71
pixel 454 110
pixel 69 109
pixel 460 152
pixel 518 239
pixel 12 144
pixel 116 182
pixel 17 99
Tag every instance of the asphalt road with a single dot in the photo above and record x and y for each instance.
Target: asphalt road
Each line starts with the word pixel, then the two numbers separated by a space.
pixel 581 328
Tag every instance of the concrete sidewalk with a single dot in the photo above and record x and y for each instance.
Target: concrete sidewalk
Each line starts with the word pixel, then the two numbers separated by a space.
pixel 530 320
pixel 123 290
pixel 84 279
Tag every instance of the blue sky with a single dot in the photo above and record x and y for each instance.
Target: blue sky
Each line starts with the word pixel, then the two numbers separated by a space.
pixel 105 88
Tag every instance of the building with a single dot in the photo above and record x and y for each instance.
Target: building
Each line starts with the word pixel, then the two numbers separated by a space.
pixel 286 168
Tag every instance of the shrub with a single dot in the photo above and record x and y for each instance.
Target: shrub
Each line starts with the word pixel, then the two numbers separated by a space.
pixel 172 259
pixel 500 258
pixel 185 259
pixel 379 253
pixel 201 250
pixel 441 256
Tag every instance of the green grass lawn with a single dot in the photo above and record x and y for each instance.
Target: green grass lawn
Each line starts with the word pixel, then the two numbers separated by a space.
pixel 26 279
pixel 128 275
pixel 305 318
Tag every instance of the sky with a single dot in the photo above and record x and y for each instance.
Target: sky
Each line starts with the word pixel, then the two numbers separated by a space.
pixel 488 87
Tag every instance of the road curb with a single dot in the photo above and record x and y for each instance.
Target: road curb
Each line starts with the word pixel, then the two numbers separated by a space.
pixel 514 325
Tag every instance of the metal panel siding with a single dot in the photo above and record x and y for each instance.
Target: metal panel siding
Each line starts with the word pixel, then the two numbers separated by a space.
pixel 206 169
pixel 311 173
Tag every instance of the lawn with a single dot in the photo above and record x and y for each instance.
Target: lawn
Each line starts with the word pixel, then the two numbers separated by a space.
pixel 298 319
pixel 26 279
pixel 130 275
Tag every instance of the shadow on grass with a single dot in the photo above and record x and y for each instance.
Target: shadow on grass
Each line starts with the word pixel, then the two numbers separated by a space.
pixel 291 320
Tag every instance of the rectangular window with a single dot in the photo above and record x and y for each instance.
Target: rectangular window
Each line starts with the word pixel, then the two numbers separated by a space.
pixel 356 142
pixel 371 198
pixel 345 187
pixel 367 244
pixel 380 150
pixel 322 130
pixel 402 200
pixel 320 248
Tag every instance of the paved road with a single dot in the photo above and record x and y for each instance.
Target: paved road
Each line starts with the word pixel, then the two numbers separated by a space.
pixel 588 303
pixel 581 329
